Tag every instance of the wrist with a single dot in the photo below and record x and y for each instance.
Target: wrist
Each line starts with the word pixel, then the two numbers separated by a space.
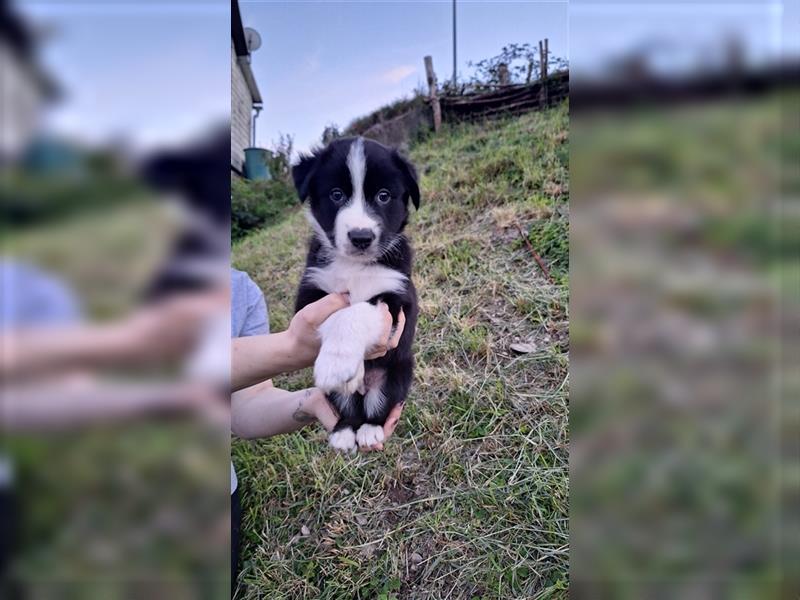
pixel 300 353
pixel 322 409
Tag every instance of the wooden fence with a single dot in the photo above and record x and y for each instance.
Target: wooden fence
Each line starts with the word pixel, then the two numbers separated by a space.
pixel 505 99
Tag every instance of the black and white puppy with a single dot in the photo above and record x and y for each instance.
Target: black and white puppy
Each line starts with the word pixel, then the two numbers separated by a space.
pixel 359 192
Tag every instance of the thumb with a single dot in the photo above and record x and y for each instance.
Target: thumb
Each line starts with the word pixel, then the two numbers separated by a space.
pixel 325 307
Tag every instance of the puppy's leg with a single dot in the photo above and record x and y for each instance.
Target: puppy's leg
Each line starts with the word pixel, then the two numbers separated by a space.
pixel 346 336
pixel 371 432
pixel 386 388
pixel 343 436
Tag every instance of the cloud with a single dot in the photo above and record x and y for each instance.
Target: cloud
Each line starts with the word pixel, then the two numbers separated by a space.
pixel 397 74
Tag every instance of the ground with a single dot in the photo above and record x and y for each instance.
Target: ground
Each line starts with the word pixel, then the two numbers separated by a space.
pixel 470 498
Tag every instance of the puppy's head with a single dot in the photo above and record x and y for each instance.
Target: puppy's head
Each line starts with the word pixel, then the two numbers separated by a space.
pixel 358 192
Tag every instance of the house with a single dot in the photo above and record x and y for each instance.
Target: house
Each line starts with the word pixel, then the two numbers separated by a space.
pixel 245 97
pixel 25 88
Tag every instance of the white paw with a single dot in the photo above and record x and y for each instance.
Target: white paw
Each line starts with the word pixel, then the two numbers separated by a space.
pixel 337 371
pixel 343 440
pixel 369 435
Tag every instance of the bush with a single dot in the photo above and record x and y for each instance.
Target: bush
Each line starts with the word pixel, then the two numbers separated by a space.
pixel 256 204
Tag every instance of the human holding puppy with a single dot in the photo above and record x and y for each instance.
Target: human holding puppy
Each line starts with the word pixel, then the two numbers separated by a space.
pixel 258 409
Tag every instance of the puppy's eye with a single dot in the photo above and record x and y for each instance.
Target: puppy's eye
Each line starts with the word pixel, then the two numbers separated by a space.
pixel 383 197
pixel 337 196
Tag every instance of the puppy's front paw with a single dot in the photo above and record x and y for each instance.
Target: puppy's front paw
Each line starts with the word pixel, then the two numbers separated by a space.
pixel 338 371
pixel 343 440
pixel 369 435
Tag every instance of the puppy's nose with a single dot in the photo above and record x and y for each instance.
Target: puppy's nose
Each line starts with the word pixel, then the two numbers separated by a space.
pixel 361 238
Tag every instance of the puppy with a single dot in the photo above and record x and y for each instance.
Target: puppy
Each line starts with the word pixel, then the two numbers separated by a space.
pixel 358 194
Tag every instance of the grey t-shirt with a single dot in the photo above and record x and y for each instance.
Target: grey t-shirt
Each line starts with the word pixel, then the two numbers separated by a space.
pixel 249 316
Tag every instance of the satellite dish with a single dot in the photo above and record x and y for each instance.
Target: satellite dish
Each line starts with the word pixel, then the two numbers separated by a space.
pixel 252 39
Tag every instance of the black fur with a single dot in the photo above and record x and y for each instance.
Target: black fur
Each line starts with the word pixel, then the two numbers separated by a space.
pixel 314 177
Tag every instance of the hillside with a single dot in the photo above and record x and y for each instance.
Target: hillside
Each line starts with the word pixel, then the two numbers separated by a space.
pixel 470 497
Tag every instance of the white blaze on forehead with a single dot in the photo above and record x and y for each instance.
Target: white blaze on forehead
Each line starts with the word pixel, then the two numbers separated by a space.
pixel 357 164
pixel 354 214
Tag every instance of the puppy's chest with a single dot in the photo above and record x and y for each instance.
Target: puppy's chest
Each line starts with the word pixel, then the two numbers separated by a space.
pixel 361 281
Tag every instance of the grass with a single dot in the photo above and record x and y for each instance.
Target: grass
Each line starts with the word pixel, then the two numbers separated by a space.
pixel 470 497
pixel 106 507
pixel 685 233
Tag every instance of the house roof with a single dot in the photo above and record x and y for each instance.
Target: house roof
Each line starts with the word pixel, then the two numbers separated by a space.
pixel 242 52
pixel 237 30
pixel 22 41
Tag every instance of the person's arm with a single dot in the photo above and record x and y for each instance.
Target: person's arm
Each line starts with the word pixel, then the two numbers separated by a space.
pixel 260 357
pixel 151 335
pixel 263 411
pixel 77 401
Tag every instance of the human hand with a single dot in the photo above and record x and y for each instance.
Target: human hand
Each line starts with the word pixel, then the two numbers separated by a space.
pixel 319 408
pixel 170 328
pixel 389 339
pixel 388 428
pixel 302 329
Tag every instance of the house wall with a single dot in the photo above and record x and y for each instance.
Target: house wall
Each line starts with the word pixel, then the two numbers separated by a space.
pixel 20 105
pixel 241 113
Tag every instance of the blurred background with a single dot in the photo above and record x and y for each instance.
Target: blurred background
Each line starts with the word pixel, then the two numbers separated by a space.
pixel 114 217
pixel 684 223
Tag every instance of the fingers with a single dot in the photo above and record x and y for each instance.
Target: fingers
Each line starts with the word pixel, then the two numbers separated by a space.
pixel 388 341
pixel 398 332
pixel 388 428
pixel 318 311
pixel 323 410
pixel 392 420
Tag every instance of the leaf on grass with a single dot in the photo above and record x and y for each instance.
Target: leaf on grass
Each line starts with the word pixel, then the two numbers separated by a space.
pixel 523 348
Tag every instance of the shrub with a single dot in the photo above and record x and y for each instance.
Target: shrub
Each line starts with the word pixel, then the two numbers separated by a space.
pixel 256 204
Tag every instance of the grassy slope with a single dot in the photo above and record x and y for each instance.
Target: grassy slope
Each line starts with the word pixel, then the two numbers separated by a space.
pixel 470 498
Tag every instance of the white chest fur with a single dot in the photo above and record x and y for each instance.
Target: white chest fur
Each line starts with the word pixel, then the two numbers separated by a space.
pixel 362 281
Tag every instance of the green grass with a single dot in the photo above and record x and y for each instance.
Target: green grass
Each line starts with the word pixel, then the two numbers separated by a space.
pixel 470 497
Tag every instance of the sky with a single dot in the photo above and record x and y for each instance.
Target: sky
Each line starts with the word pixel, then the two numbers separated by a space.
pixel 157 72
pixel 150 72
pixel 331 62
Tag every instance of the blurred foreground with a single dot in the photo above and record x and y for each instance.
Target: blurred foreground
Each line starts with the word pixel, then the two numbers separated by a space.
pixel 685 316
pixel 114 332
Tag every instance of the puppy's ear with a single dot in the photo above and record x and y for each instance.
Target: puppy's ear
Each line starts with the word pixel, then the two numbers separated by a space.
pixel 302 174
pixel 409 177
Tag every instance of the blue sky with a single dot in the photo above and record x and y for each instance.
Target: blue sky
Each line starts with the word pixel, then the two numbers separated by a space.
pixel 330 62
pixel 152 72
pixel 158 71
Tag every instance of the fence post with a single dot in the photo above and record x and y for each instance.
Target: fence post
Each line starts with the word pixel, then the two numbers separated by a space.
pixel 437 109
pixel 543 51
pixel 502 74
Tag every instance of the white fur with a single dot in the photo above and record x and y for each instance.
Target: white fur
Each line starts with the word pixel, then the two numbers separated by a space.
pixel 346 335
pixel 343 440
pixel 369 435
pixel 362 281
pixel 374 400
pixel 354 214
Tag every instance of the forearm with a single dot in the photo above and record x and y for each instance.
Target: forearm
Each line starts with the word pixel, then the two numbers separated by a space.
pixel 31 352
pixel 68 404
pixel 259 357
pixel 266 411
